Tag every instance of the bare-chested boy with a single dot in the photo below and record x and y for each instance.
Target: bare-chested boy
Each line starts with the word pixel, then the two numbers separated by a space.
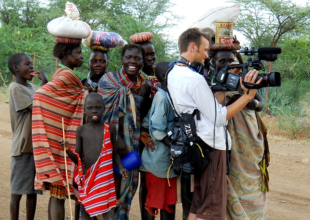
pixel 95 142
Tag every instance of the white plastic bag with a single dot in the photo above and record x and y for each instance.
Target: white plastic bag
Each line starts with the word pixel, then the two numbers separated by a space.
pixel 226 13
pixel 69 26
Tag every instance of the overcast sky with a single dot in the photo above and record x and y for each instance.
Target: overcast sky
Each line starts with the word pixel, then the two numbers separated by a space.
pixel 191 10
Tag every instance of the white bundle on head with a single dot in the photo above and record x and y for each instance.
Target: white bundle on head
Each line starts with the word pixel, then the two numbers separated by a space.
pixel 72 11
pixel 226 13
pixel 69 26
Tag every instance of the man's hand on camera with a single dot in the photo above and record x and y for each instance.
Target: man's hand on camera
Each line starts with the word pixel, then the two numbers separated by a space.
pixel 235 71
pixel 250 77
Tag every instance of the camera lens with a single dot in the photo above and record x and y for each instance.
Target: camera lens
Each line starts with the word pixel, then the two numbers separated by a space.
pixel 272 79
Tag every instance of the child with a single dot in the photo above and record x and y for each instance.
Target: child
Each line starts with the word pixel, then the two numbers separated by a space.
pixel 22 162
pixel 98 62
pixel 94 143
pixel 155 162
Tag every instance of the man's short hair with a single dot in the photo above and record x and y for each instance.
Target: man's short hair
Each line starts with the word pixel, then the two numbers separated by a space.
pixel 15 60
pixel 189 36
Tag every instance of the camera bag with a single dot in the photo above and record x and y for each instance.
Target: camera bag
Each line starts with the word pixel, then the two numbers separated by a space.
pixel 187 157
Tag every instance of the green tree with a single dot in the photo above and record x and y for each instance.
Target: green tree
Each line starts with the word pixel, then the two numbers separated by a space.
pixel 23 26
pixel 23 30
pixel 23 13
pixel 294 61
pixel 140 16
pixel 27 40
pixel 266 22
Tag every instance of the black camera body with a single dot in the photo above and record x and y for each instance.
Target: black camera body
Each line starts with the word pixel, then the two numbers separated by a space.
pixel 226 81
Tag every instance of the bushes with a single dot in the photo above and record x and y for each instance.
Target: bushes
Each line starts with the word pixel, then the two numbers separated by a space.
pixel 284 104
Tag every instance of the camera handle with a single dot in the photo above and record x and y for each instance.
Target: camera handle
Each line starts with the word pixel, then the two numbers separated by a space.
pixel 252 86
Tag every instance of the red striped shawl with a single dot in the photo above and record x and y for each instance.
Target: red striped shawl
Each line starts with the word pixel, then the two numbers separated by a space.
pixel 96 187
pixel 62 97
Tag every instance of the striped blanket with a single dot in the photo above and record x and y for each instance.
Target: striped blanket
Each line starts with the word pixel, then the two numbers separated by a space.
pixel 115 92
pixel 246 195
pixel 61 97
pixel 96 187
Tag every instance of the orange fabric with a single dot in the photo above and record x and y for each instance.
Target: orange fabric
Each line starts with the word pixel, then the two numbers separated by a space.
pixel 141 37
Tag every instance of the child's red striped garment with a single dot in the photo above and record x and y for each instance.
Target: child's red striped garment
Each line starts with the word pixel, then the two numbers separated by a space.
pixel 96 188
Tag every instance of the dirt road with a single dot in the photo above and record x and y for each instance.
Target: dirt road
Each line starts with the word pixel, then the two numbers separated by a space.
pixel 288 199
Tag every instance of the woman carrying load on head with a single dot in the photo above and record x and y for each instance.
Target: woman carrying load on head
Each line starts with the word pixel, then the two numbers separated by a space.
pixel 61 98
pixel 148 69
pixel 248 177
pixel 148 73
pixel 123 92
pixel 100 43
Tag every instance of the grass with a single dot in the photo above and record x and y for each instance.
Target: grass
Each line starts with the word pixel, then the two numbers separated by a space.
pixel 288 126
pixel 4 89
pixel 4 94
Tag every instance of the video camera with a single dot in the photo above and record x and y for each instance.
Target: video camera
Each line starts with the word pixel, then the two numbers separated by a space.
pixel 225 81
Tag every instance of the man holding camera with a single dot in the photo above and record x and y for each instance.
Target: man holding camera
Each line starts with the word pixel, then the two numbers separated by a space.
pixel 189 91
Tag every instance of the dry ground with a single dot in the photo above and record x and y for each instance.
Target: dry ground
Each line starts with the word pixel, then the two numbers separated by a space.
pixel 288 199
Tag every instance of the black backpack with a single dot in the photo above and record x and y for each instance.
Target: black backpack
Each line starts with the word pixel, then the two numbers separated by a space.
pixel 187 157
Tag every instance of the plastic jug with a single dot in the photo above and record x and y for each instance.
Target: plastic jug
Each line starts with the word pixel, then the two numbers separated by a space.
pixel 130 162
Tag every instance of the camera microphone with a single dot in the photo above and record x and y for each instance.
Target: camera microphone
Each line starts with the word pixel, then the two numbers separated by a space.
pixel 268 53
pixel 269 50
pixel 260 51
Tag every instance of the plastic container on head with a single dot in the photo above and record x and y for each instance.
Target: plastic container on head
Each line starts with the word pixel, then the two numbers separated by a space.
pixel 224 33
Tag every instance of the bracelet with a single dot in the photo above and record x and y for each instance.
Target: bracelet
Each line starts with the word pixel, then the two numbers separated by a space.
pixel 256 103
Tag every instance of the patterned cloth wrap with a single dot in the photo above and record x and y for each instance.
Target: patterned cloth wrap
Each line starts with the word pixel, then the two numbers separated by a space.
pixel 99 40
pixel 66 40
pixel 115 88
pixel 248 178
pixel 141 37
pixel 63 97
pixel 153 80
pixel 96 187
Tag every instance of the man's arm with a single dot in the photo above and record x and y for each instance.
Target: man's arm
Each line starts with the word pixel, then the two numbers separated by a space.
pixel 42 77
pixel 145 137
pixel 159 120
pixel 206 103
pixel 78 146
pixel 21 99
pixel 248 95
pixel 116 156
pixel 66 146
pixel 256 104
pixel 122 148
